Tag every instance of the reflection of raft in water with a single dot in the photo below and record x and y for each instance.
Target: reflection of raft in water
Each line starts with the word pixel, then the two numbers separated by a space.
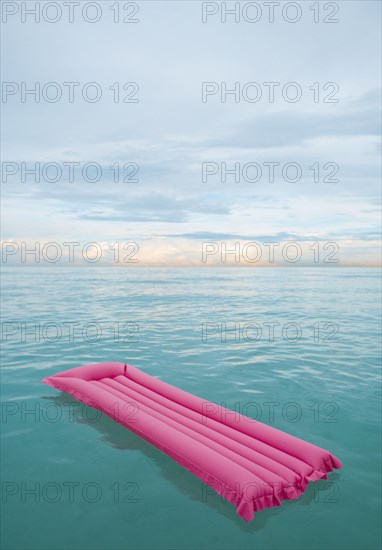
pixel 252 465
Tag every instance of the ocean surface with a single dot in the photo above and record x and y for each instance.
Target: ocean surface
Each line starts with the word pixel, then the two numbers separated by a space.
pixel 296 348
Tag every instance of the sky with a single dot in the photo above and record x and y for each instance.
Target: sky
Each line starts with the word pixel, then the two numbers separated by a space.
pixel 170 194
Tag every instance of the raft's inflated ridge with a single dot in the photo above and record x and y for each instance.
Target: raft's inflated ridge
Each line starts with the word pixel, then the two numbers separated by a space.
pixel 252 465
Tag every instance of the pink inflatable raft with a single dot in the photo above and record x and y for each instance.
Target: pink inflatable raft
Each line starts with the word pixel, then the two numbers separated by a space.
pixel 250 464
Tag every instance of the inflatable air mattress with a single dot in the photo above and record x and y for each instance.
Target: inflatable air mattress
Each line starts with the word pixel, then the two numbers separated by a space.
pixel 252 465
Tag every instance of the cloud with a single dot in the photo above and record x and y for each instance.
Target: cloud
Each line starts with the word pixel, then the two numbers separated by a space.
pixel 356 117
pixel 193 252
pixel 154 208
pixel 170 132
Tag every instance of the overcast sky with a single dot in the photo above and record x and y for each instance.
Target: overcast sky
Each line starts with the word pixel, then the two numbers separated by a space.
pixel 170 132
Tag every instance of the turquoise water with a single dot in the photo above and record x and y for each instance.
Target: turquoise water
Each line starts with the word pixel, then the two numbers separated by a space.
pixel 73 479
